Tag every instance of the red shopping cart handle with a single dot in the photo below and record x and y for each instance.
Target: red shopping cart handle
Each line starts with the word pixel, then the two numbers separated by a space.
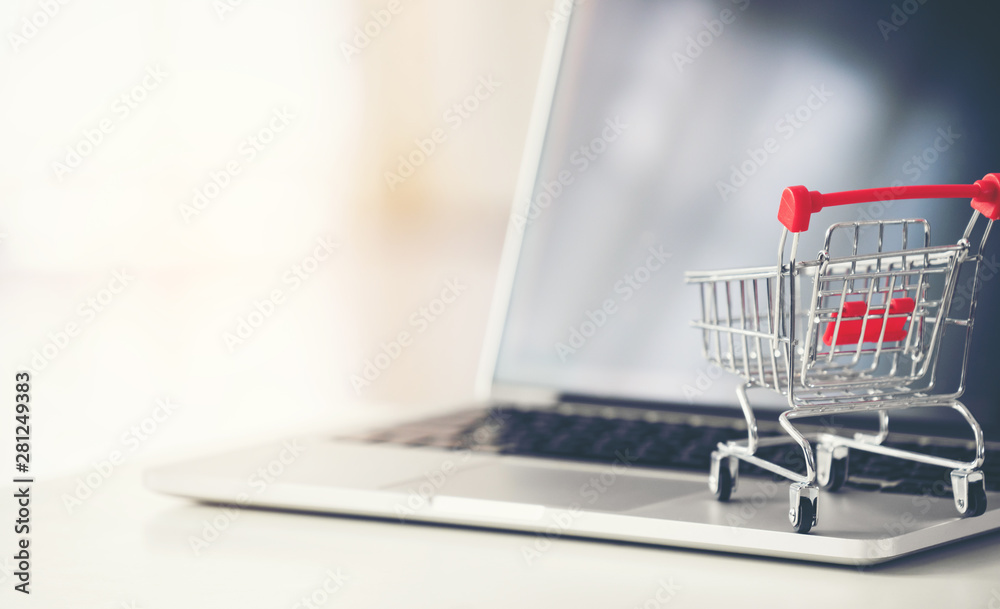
pixel 798 203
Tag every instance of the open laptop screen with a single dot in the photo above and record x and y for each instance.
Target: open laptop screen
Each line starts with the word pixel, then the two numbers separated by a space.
pixel 674 128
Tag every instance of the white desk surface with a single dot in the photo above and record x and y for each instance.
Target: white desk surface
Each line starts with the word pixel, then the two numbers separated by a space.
pixel 128 547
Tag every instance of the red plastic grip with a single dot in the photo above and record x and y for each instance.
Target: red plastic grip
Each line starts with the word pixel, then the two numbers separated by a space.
pixel 798 203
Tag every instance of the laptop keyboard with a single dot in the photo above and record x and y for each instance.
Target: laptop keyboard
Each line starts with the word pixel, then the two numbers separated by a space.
pixel 671 445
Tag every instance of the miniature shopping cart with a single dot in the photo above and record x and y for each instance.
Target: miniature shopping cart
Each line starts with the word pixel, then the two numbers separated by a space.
pixel 858 329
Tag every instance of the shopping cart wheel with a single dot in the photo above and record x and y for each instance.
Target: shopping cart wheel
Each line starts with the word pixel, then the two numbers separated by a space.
pixel 802 511
pixel 977 498
pixel 723 476
pixel 969 489
pixel 831 466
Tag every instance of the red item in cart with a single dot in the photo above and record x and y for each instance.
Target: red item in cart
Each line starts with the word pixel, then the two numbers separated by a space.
pixel 855 314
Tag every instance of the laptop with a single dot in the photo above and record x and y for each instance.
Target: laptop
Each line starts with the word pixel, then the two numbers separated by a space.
pixel 663 134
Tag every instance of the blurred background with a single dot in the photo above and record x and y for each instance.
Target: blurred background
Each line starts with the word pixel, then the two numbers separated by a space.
pixel 226 210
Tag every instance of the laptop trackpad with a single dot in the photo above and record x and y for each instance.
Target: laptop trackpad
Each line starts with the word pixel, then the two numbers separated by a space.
pixel 601 489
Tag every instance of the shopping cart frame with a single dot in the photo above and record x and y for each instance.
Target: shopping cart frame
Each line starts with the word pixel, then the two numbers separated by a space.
pixel 812 388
